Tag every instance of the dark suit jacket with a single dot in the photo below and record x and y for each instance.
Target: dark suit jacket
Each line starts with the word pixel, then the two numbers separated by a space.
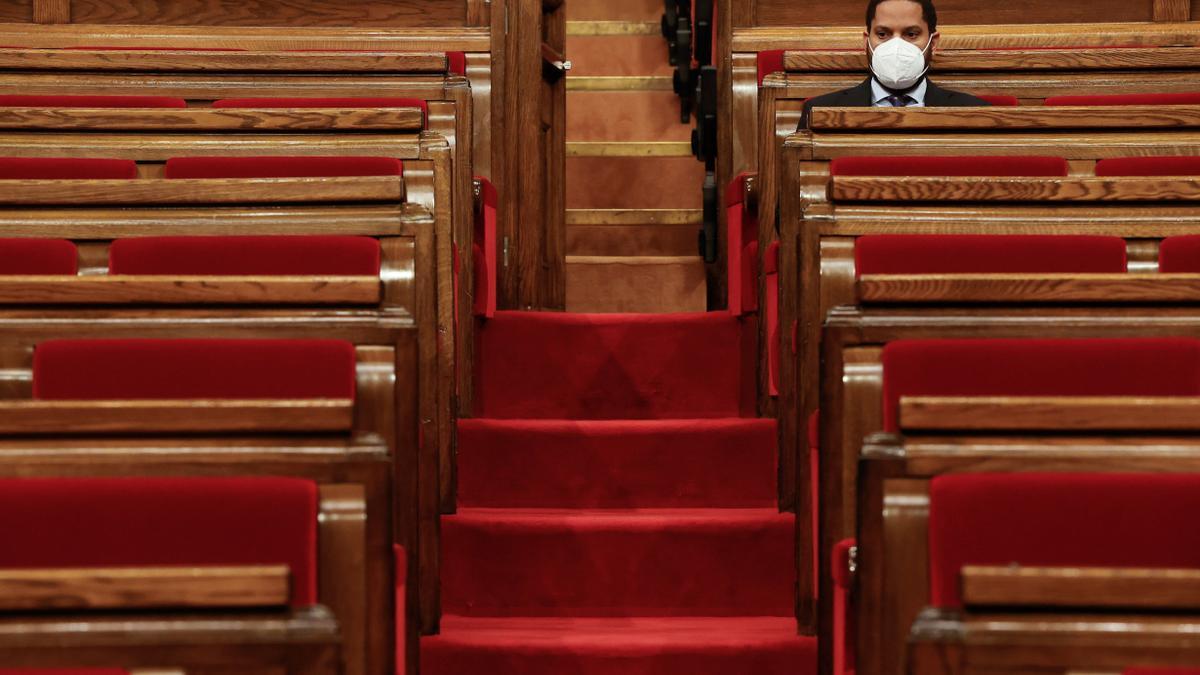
pixel 862 97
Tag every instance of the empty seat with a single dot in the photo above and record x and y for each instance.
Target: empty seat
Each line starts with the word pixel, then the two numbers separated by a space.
pixel 1192 98
pixel 966 254
pixel 281 167
pixel 949 166
pixel 1032 367
pixel 1149 166
pixel 193 369
pixel 38 256
pixel 256 255
pixel 65 168
pixel 1179 255
pixel 71 101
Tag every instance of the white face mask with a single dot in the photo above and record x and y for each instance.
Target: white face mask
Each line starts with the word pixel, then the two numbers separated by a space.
pixel 898 64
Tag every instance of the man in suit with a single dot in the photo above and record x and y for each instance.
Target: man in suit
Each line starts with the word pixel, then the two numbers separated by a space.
pixel 900 39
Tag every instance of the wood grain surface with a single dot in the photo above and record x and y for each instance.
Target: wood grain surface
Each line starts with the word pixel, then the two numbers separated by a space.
pixel 1074 587
pixel 288 13
pixel 1028 288
pixel 144 587
pixel 1050 413
pixel 213 119
pixel 202 191
pixel 179 290
pixel 182 416
pixel 201 61
pixel 1004 189
pixel 1142 58
pixel 1000 117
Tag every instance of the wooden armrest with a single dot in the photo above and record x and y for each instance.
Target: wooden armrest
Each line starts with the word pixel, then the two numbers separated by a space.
pixel 1028 288
pixel 202 190
pixel 1001 117
pixel 171 290
pixel 200 61
pixel 185 415
pixel 213 119
pixel 1008 189
pixel 144 587
pixel 1050 413
pixel 1075 587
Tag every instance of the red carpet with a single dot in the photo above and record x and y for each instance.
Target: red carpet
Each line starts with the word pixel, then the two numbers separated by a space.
pixel 616 514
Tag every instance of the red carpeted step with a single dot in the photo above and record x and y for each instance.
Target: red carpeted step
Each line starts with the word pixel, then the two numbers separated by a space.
pixel 664 562
pixel 609 366
pixel 626 646
pixel 725 463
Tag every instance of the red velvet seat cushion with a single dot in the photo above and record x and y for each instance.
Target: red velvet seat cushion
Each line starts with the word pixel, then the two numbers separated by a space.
pixel 324 255
pixel 65 168
pixel 193 368
pixel 1072 520
pixel 281 167
pixel 1000 99
pixel 948 166
pixel 325 102
pixel 113 522
pixel 1014 367
pixel 967 254
pixel 1179 254
pixel 38 256
pixel 1191 98
pixel 1149 166
pixel 71 101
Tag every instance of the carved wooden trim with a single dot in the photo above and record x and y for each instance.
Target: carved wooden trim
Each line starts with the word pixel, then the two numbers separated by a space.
pixel 1074 587
pixel 214 119
pixel 1000 117
pixel 186 415
pixel 1050 413
pixel 381 61
pixel 174 290
pixel 202 190
pixel 1004 189
pixel 1028 288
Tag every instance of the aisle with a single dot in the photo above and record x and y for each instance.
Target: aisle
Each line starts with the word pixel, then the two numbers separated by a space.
pixel 616 512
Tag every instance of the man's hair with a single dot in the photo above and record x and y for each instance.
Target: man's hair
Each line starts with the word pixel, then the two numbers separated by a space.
pixel 928 12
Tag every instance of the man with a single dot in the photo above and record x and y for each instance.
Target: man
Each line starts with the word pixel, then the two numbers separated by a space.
pixel 900 39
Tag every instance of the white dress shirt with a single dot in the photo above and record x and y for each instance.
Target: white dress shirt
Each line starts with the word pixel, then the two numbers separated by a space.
pixel 879 95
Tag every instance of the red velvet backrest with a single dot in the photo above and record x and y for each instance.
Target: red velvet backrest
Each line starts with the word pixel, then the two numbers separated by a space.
pixel 65 168
pixel 38 256
pixel 266 255
pixel 1149 166
pixel 456 63
pixel 326 102
pixel 742 254
pixel 114 522
pixel 1001 100
pixel 1190 98
pixel 1032 367
pixel 72 101
pixel 949 166
pixel 484 251
pixel 1179 255
pixel 281 167
pixel 1069 520
pixel 967 254
pixel 193 368
pixel 769 61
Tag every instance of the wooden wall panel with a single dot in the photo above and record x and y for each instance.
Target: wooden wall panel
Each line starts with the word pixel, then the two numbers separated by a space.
pixel 950 12
pixel 370 13
pixel 16 11
pixel 1195 10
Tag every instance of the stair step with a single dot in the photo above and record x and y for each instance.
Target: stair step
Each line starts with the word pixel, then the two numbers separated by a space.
pixel 634 183
pixel 724 463
pixel 620 83
pixel 616 55
pixel 633 216
pixel 619 116
pixel 656 284
pixel 632 240
pixel 551 365
pixel 587 28
pixel 644 562
pixel 626 10
pixel 621 646
pixel 629 149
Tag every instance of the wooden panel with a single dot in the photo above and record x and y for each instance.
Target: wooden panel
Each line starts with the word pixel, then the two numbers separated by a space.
pixel 52 11
pixel 1067 587
pixel 1015 59
pixel 202 190
pixel 999 189
pixel 1172 10
pixel 955 12
pixel 159 147
pixel 1033 117
pixel 17 11
pixel 210 119
pixel 144 587
pixel 160 416
pixel 150 61
pixel 375 13
pixel 1027 288
pixel 1050 413
pixel 175 290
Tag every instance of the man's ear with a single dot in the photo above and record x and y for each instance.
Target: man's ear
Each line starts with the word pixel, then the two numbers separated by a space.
pixel 867 42
pixel 933 42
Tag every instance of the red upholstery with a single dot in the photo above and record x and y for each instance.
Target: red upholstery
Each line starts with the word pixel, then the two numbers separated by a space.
pixel 742 256
pixel 106 522
pixel 327 102
pixel 401 606
pixel 485 251
pixel 1179 254
pixel 281 167
pixel 770 61
pixel 58 101
pixel 1000 99
pixel 1082 520
pixel 969 253
pixel 38 256
pixel 843 617
pixel 326 255
pixel 771 293
pixel 65 168
pixel 176 369
pixel 456 63
pixel 1192 98
pixel 948 166
pixel 1149 166
pixel 62 671
pixel 1004 367
pixel 1162 671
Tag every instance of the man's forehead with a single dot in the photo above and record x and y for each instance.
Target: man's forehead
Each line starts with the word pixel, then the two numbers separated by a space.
pixel 899 14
